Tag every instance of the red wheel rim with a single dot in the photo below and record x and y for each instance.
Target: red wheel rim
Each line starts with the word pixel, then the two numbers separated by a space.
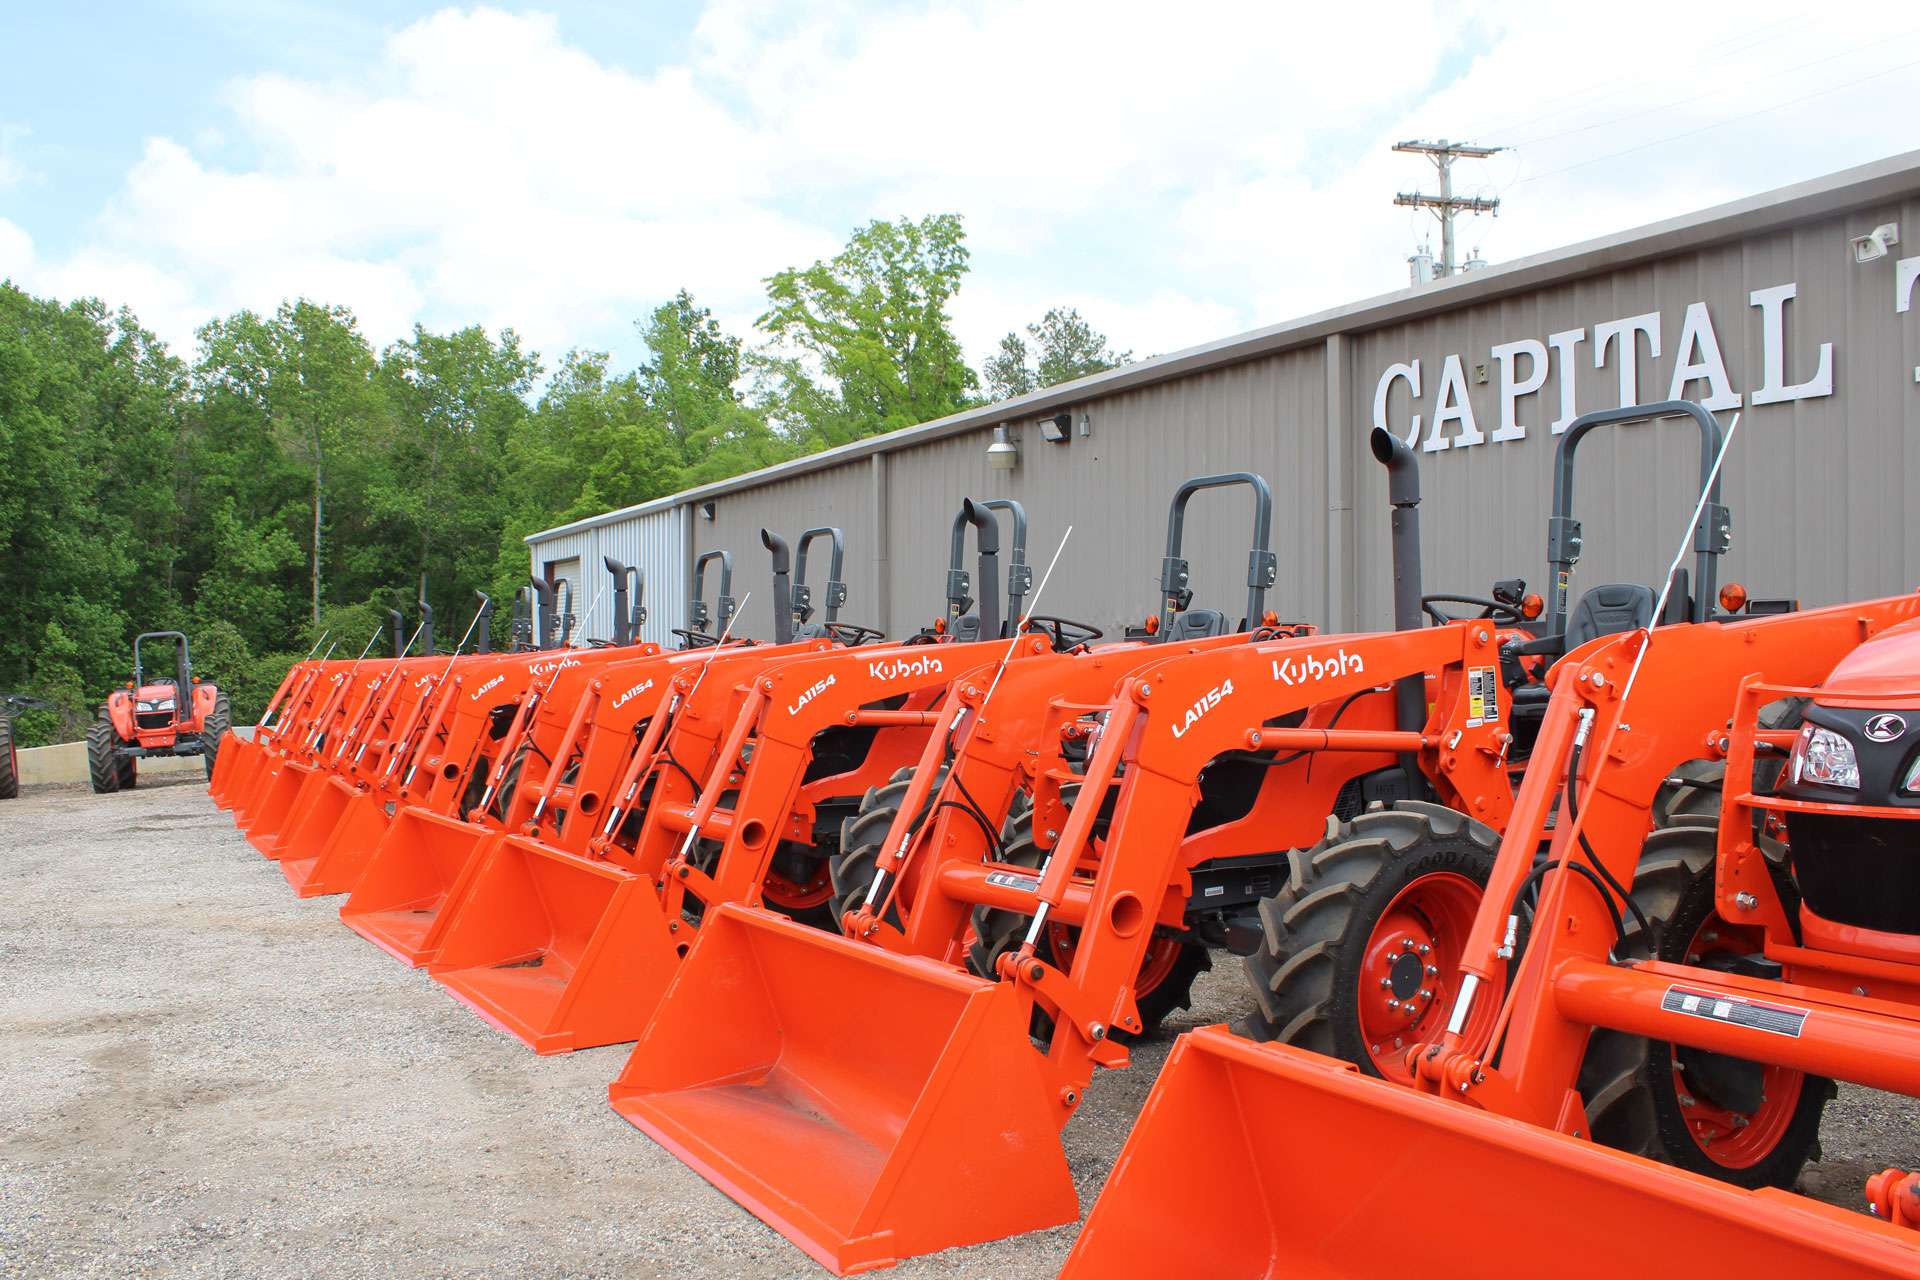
pixel 1409 971
pixel 798 896
pixel 1732 1139
pixel 1161 955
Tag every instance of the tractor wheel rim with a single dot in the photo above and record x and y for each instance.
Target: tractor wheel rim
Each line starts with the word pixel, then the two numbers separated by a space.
pixel 1729 1138
pixel 1161 955
pixel 798 895
pixel 1409 969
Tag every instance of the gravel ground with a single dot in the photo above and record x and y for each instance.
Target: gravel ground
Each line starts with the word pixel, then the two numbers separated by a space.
pixel 204 1076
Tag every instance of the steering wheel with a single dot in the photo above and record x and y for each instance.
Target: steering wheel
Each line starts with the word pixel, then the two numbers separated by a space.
pixel 696 639
pixel 852 633
pixel 1497 611
pixel 1065 631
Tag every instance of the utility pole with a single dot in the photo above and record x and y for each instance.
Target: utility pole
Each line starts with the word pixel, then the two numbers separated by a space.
pixel 1446 204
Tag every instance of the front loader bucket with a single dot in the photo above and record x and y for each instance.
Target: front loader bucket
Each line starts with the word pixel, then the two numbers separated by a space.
pixel 868 1106
pixel 1259 1160
pixel 418 868
pixel 346 841
pixel 268 821
pixel 558 951
pixel 226 765
pixel 315 813
pixel 249 792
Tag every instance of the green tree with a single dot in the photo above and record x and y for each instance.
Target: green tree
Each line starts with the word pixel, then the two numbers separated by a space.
pixel 1068 348
pixel 863 340
pixel 291 394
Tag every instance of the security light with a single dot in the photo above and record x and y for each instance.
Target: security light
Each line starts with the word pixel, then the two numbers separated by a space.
pixel 1003 454
pixel 1057 429
pixel 1874 245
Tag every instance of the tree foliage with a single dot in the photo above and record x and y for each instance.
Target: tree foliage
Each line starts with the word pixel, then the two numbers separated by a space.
pixel 1067 346
pixel 292 481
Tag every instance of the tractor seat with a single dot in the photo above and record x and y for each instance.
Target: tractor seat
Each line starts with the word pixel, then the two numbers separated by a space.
pixel 965 628
pixel 1609 609
pixel 1195 624
pixel 811 631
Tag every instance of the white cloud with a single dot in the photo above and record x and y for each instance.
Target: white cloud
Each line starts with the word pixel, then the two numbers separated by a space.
pixel 1176 174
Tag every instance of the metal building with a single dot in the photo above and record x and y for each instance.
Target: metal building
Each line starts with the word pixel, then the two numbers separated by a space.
pixel 1793 309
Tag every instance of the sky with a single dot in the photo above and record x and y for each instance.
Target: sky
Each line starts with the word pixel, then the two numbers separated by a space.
pixel 1178 173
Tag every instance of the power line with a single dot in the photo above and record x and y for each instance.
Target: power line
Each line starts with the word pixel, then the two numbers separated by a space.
pixel 1721 124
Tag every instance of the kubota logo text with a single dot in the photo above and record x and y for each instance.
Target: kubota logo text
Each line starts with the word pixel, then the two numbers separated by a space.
pixel 1201 705
pixel 895 668
pixel 1313 667
pixel 541 668
pixel 633 693
pixel 793 708
pixel 488 685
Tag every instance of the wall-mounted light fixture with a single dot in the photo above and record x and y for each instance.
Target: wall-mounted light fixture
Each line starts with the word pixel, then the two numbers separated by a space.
pixel 1873 246
pixel 1086 425
pixel 1055 430
pixel 1003 454
pixel 706 511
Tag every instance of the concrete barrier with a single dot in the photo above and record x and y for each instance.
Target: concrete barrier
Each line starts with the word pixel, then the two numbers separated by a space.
pixel 65 763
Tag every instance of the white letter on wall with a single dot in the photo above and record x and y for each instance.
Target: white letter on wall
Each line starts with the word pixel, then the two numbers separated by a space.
pixel 1450 404
pixel 1410 374
pixel 1628 331
pixel 1511 389
pixel 1773 351
pixel 1563 344
pixel 1698 359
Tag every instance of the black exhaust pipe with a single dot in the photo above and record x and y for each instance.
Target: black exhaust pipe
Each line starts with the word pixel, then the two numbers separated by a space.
pixel 619 572
pixel 426 620
pixel 986 541
pixel 782 585
pixel 1403 494
pixel 397 628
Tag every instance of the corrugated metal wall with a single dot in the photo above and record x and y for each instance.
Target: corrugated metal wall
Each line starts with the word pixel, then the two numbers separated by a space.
pixel 654 541
pixel 1818 485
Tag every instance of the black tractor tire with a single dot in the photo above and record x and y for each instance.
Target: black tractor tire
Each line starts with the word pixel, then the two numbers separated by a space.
pixel 9 762
pixel 1306 977
pixel 1630 1085
pixel 103 769
pixel 213 730
pixel 861 836
pixel 997 932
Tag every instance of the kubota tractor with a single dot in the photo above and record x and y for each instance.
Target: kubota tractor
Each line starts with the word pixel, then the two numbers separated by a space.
pixel 1664 1009
pixel 175 714
pixel 10 705
pixel 1162 817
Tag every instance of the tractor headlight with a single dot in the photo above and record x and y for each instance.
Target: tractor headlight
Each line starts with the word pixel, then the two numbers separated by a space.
pixel 1823 757
pixel 1913 776
pixel 158 704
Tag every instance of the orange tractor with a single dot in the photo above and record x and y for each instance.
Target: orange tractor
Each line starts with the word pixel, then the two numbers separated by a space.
pixel 175 714
pixel 11 703
pixel 589 722
pixel 1172 813
pixel 1648 1016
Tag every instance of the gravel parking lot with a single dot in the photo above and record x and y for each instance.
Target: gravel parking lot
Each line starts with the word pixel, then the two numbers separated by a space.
pixel 206 1077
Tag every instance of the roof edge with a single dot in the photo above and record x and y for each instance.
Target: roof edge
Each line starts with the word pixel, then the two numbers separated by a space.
pixel 1893 177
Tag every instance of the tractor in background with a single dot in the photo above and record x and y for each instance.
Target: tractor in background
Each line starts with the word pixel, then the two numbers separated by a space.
pixel 176 714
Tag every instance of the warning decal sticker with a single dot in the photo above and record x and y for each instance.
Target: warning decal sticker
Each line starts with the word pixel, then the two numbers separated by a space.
pixel 1483 696
pixel 1739 1011
pixel 1009 880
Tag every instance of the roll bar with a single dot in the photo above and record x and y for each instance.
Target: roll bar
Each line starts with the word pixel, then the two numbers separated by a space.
pixel 836 589
pixel 182 659
pixel 698 615
pixel 1711 537
pixel 483 623
pixel 1262 566
pixel 565 614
